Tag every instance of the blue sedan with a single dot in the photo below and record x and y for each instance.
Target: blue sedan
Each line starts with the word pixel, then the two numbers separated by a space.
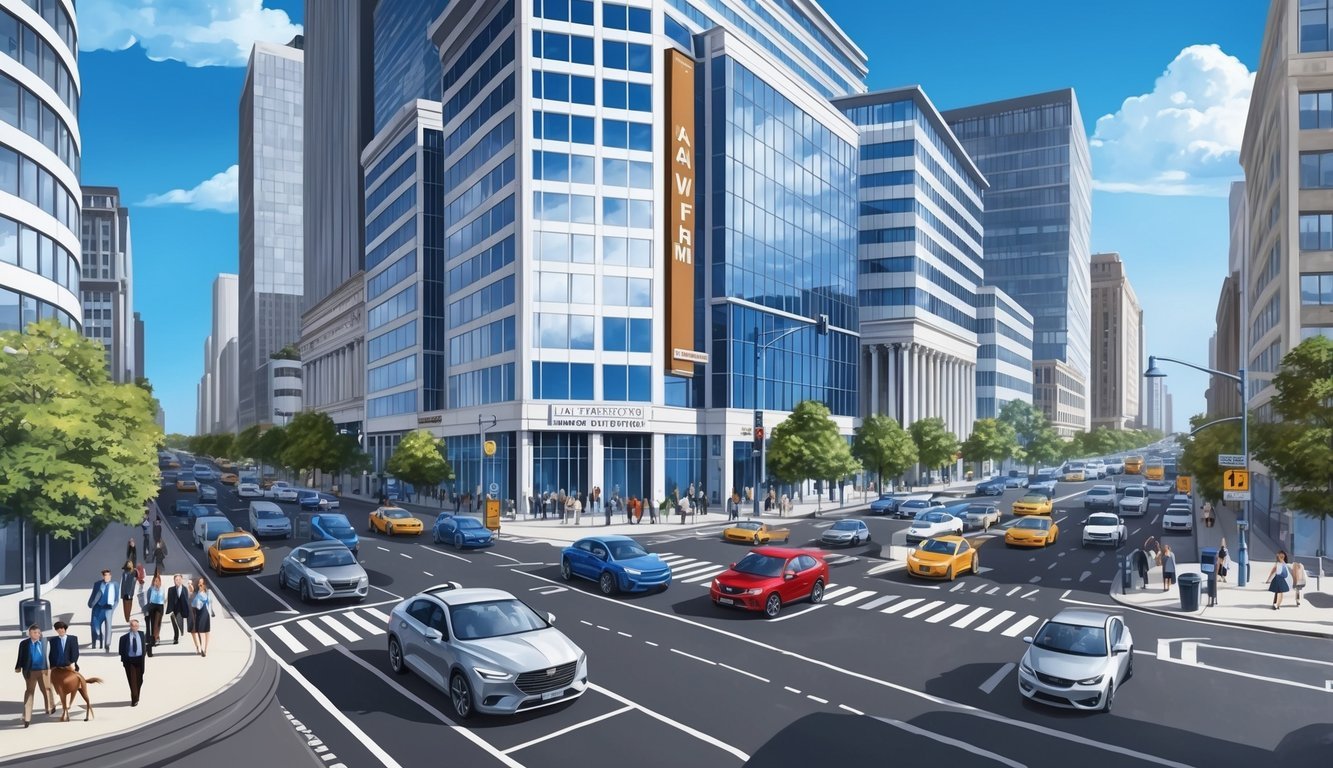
pixel 616 563
pixel 461 531
pixel 317 500
pixel 993 487
pixel 334 528
pixel 886 504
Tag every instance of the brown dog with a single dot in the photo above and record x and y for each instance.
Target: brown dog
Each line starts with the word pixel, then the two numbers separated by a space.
pixel 67 683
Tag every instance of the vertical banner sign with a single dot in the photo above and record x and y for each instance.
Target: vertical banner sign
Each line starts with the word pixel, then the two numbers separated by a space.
pixel 680 240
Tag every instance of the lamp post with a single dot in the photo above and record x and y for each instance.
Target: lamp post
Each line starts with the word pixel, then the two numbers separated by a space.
pixel 821 326
pixel 484 422
pixel 1243 525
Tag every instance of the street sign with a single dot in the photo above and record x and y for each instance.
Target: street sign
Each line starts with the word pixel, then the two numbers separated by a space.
pixel 1236 480
pixel 495 488
pixel 1183 484
pixel 1235 495
pixel 488 447
pixel 1231 460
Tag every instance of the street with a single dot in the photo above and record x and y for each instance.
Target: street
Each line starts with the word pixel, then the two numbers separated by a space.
pixel 886 664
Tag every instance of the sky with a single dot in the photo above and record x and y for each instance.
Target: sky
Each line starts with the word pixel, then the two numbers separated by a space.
pixel 1162 87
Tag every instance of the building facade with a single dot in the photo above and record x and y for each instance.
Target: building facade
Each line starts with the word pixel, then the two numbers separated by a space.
pixel 284 384
pixel 1154 408
pixel 1038 219
pixel 1223 397
pixel 406 63
pixel 206 408
pixel 1004 352
pixel 270 285
pixel 1117 357
pixel 139 369
pixel 918 261
pixel 107 288
pixel 222 365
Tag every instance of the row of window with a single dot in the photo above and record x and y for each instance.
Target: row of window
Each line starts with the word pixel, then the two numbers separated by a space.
pixel 997 379
pixel 391 405
pixel 479 229
pixel 561 331
pixel 29 249
pixel 1316 109
pixel 1267 318
pixel 558 126
pixel 635 97
pixel 391 375
pixel 556 46
pixel 381 193
pixel 621 212
pixel 25 45
pixel 1315 22
pixel 482 387
pixel 392 275
pixel 483 39
pixel 389 342
pixel 563 207
pixel 563 288
pixel 18 310
pixel 574 381
pixel 483 265
pixel 908 297
pixel 1317 289
pixel 385 163
pixel 400 237
pixel 491 339
pixel 495 102
pixel 22 177
pixel 392 308
pixel 480 191
pixel 1004 354
pixel 1268 360
pixel 24 110
pixel 1271 269
pixel 500 137
pixel 489 69
pixel 1316 231
pixel 482 302
pixel 987 325
pixel 627 134
pixel 392 213
pixel 1317 170
pixel 576 11
pixel 562 247
pixel 559 86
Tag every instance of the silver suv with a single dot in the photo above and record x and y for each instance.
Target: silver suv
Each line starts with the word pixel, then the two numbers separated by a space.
pixel 1134 500
pixel 487 649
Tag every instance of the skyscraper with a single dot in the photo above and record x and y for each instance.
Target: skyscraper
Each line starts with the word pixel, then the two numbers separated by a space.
pixel 270 195
pixel 108 280
pixel 1117 358
pixel 407 64
pixel 222 364
pixel 1038 218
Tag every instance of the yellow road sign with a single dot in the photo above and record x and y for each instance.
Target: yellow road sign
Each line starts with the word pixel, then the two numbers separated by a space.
pixel 1236 480
pixel 1184 484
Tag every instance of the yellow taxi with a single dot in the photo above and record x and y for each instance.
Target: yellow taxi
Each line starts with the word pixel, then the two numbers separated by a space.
pixel 1033 504
pixel 755 532
pixel 187 484
pixel 1156 470
pixel 943 557
pixel 1133 465
pixel 236 552
pixel 1075 473
pixel 229 478
pixel 393 521
pixel 1032 532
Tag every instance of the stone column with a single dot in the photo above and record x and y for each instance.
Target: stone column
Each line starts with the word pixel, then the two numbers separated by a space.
pixel 874 380
pixel 890 381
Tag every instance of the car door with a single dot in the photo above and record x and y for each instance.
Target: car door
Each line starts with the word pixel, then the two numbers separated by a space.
pixel 798 586
pixel 437 654
pixel 1117 635
pixel 599 556
pixel 410 627
pixel 964 556
pixel 582 560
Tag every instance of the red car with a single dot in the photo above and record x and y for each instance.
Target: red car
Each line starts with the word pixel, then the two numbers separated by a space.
pixel 770 577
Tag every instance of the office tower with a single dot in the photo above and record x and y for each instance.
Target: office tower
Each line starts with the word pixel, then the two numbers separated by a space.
pixel 206 410
pixel 220 363
pixel 406 63
pixel 1004 352
pixel 107 287
pixel 1117 358
pixel 139 369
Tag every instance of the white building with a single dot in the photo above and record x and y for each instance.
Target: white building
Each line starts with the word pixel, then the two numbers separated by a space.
pixel 222 363
pixel 1004 354
pixel 284 389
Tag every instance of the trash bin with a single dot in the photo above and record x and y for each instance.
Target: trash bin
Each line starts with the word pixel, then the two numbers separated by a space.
pixel 35 612
pixel 1127 573
pixel 1189 584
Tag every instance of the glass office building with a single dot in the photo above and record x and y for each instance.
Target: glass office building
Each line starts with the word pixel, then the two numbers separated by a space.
pixel 555 154
pixel 406 63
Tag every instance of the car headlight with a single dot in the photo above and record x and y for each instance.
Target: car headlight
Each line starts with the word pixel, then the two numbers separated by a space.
pixel 323 581
pixel 633 572
pixel 754 591
pixel 491 674
pixel 1023 667
pixel 1091 680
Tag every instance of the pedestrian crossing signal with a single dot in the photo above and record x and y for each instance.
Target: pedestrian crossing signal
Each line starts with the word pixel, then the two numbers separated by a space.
pixel 758 434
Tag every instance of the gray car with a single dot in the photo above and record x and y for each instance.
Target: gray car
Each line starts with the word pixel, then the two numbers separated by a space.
pixel 847 532
pixel 322 570
pixel 487 649
pixel 1077 660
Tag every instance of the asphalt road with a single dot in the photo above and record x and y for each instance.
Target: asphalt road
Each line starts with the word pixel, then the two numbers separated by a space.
pixel 886 665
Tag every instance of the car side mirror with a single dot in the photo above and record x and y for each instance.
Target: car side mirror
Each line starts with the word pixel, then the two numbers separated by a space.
pixel 434 635
pixel 1119 648
pixel 1028 640
pixel 550 619
pixel 788 576
pixel 733 565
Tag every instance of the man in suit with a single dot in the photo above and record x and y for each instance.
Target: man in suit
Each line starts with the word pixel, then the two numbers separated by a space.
pixel 178 607
pixel 103 600
pixel 35 665
pixel 133 647
pixel 64 651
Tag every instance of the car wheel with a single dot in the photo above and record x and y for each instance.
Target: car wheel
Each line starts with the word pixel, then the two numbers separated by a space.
pixel 951 575
pixel 1110 696
pixel 607 583
pixel 282 579
pixel 458 541
pixel 305 591
pixel 434 536
pixel 396 657
pixel 817 591
pixel 388 530
pixel 460 695
pixel 773 606
pixel 566 571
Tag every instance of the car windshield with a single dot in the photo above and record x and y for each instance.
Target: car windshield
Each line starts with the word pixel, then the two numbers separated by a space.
pixel 1034 523
pixel 926 518
pixel 214 530
pixel 937 546
pixel 335 522
pixel 916 503
pixel 756 564
pixel 1099 491
pixel 626 550
pixel 846 525
pixel 330 558
pixel 236 542
pixel 204 510
pixel 978 509
pixel 1135 492
pixel 269 514
pixel 476 621
pixel 1071 638
pixel 470 523
pixel 1030 499
pixel 749 525
pixel 394 513
pixel 1103 520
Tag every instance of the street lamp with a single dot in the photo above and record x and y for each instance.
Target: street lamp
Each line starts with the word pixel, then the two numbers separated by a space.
pixel 1243 550
pixel 484 423
pixel 821 326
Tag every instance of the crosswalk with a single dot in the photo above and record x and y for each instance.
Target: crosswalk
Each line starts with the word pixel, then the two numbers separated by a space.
pixel 328 629
pixel 943 612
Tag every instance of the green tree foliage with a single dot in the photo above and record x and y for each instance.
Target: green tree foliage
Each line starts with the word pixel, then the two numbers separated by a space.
pixel 419 460
pixel 1298 445
pixel 808 446
pixel 247 443
pixel 991 440
pixel 220 445
pixel 289 352
pixel 1046 447
pixel 883 445
pixel 1199 457
pixel 348 456
pixel 1027 421
pixel 175 441
pixel 935 445
pixel 310 443
pixel 272 446
pixel 76 449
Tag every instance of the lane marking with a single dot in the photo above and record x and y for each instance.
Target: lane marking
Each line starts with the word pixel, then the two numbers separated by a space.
pixel 506 557
pixel 995 679
pixel 946 613
pixel 337 626
pixel 1020 625
pixel 687 571
pixel 569 728
pixel 1084 576
pixel 793 690
pixel 849 709
pixel 317 633
pixel 969 618
pixel 700 735
pixel 1026 595
pixel 992 590
pixel 696 658
pixel 1154 519
pixel 786 616
pixel 927 608
pixel 816 698
pixel 404 554
pixel 381 615
pixel 1263 653
pixel 382 549
pixel 681 562
pixel 877 602
pixel 441 552
pixel 1066 594
pixel 856 598
pixel 363 624
pixel 705 576
pixel 1011 592
pixel 959 586
pixel 289 640
pixel 650 642
pixel 623 634
pixel 517 565
pixel 831 594
pixel 289 609
pixel 387 592
pixel 604 629
pixel 952 742
pixel 908 603
pixel 743 672
pixel 428 573
pixel 1034 579
pixel 996 621
pixel 979 588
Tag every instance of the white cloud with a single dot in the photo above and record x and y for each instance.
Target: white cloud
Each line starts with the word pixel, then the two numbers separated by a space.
pixel 1184 137
pixel 214 194
pixel 200 33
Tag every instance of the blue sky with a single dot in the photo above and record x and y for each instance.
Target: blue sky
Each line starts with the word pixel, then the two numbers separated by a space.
pixel 159 120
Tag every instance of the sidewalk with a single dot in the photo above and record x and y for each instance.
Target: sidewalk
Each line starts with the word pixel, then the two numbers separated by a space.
pixel 1250 606
pixel 176 680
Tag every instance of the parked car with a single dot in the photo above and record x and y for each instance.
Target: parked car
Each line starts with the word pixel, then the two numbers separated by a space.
pixel 1134 500
pixel 846 533
pixel 268 519
pixel 1178 517
pixel 981 516
pixel 768 578
pixel 1015 480
pixel 616 564
pixel 992 487
pixel 208 529
pixel 461 531
pixel 1100 497
pixel 488 650
pixel 1077 660
pixel 334 527
pixel 1104 528
pixel 317 500
pixel 943 557
pixel 1043 486
pixel 249 491
pixel 934 523
pixel 235 552
pixel 321 570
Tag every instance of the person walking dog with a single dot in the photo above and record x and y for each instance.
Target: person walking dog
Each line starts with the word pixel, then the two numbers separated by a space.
pixel 33 663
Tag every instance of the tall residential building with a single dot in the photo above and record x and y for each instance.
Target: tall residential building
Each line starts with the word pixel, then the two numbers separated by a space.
pixel 1004 352
pixel 107 287
pixel 918 261
pixel 603 197
pixel 1038 221
pixel 270 195
pixel 222 363
pixel 1223 397
pixel 1117 358
pixel 206 410
pixel 406 62
pixel 1168 423
pixel 40 143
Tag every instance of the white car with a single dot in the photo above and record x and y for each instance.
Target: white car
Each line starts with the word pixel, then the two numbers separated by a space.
pixel 1104 528
pixel 1160 486
pixel 1182 498
pixel 1178 517
pixel 1100 497
pixel 935 523
pixel 1077 660
pixel 249 491
pixel 1096 469
pixel 208 529
pixel 1134 500
pixel 281 490
pixel 915 507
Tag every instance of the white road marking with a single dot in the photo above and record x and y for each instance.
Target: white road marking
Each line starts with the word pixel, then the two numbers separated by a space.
pixel 289 609
pixel 831 594
pixel 980 587
pixel 1154 519
pixel 382 549
pixel 381 615
pixel 1011 592
pixel 700 735
pixel 995 621
pixel 1084 576
pixel 706 575
pixel 856 598
pixel 506 557
pixel 681 562
pixel 952 742
pixel 623 634
pixel 850 709
pixel 946 613
pixel 816 698
pixel 877 602
pixel 337 626
pixel 1018 626
pixel 786 616
pixel 404 554
pixel 1066 594
pixel 428 573
pixel 743 672
pixel 680 572
pixel 585 621
pixel 567 729
pixel 1026 595
pixel 289 640
pixel 995 679
pixel 650 642
pixel 1034 579
pixel 519 565
pixel 992 590
pixel 908 603
pixel 316 632
pixel 1052 566
pixel 927 608
pixel 1135 531
pixel 387 592
pixel 960 585
pixel 604 629
pixel 793 690
pixel 668 556
pixel 696 658
pixel 969 618
pixel 363 624
pixel 441 552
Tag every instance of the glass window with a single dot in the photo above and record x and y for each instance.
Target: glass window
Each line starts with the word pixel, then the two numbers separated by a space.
pixel 582 90
pixel 582 169
pixel 1314 25
pixel 581 331
pixel 640 57
pixel 640 97
pixel 580 381
pixel 28 249
pixel 615 133
pixel 640 253
pixel 614 338
pixel 615 212
pixel 553 286
pixel 640 383
pixel 640 174
pixel 553 246
pixel 9 171
pixel 615 16
pixel 641 136
pixel 640 335
pixel 553 331
pixel 1316 110
pixel 614 290
pixel 582 130
pixel 10 95
pixel 615 54
pixel 613 250
pixel 580 50
pixel 615 172
pixel 614 383
pixel 640 292
pixel 641 214
pixel 614 94
pixel 580 11
pixel 583 249
pixel 31 114
pixel 582 209
pixel 9 241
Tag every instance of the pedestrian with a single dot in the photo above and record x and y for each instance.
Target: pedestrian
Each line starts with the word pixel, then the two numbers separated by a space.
pixel 635 510
pixel 34 664
pixel 102 600
pixel 159 557
pixel 155 604
pixel 178 607
pixel 562 505
pixel 703 502
pixel 64 651
pixel 1298 579
pixel 784 505
pixel 1279 579
pixel 734 506
pixel 129 578
pixel 1208 516
pixel 1168 562
pixel 1141 565
pixel 201 614
pixel 132 552
pixel 769 500
pixel 1223 561
pixel 609 508
pixel 133 647
pixel 157 527
pixel 147 526
pixel 653 509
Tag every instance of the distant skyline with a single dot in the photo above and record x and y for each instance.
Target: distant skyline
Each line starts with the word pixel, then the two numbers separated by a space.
pixel 1162 87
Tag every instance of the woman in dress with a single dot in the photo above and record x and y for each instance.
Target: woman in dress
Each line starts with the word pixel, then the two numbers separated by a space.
pixel 1279 579
pixel 201 613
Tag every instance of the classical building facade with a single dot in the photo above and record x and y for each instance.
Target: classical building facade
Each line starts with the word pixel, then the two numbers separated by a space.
pixel 1117 354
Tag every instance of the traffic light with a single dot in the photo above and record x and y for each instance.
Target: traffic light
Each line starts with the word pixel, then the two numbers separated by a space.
pixel 759 434
pixel 821 325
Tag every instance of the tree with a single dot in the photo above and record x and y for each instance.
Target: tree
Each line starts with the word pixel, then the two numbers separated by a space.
pixel 348 456
pixel 882 444
pixel 271 446
pixel 289 352
pixel 174 440
pixel 991 440
pixel 935 445
pixel 1298 445
pixel 808 446
pixel 420 460
pixel 1045 447
pixel 246 444
pixel 77 450
pixel 310 442
pixel 1199 457
pixel 1026 420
